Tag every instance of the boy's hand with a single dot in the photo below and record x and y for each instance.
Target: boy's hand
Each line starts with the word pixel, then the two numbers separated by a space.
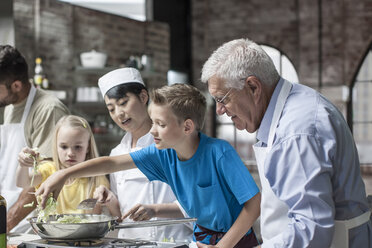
pixel 25 157
pixel 201 245
pixel 103 194
pixel 53 184
pixel 140 212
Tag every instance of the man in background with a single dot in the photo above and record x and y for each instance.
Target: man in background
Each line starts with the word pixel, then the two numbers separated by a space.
pixel 29 118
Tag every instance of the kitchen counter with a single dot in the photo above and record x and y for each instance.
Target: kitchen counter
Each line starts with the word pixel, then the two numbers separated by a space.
pixel 33 240
pixel 18 238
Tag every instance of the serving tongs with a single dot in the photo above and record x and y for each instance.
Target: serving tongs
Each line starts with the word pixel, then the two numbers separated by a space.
pixel 159 222
pixel 87 204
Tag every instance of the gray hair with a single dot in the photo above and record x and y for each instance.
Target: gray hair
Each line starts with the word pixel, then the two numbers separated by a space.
pixel 238 59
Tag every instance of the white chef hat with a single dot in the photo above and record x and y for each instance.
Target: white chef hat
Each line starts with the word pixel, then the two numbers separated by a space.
pixel 118 77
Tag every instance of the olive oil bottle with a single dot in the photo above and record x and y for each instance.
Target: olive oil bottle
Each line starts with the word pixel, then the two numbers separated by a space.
pixel 2 222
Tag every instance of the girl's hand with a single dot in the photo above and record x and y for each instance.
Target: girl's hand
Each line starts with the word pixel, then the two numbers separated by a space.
pixel 103 195
pixel 25 157
pixel 140 212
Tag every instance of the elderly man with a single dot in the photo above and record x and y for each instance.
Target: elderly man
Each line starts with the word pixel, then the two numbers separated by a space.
pixel 312 191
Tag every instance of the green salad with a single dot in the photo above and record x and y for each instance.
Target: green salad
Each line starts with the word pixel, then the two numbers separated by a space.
pixel 50 209
pixel 68 219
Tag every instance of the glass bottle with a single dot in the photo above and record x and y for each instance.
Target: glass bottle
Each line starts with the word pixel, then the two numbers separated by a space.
pixel 2 222
pixel 38 78
pixel 45 83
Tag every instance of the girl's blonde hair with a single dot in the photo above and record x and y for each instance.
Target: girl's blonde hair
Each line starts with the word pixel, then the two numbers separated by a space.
pixel 74 121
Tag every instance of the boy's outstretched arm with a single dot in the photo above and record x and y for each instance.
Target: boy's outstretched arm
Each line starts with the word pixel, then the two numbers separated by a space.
pixel 242 224
pixel 89 168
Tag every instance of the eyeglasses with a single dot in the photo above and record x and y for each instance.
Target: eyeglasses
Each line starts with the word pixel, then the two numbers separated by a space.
pixel 222 100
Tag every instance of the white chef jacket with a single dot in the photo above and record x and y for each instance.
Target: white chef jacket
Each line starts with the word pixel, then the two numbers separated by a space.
pixel 132 187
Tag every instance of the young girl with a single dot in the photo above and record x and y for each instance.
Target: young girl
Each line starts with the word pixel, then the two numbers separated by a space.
pixel 73 142
pixel 126 98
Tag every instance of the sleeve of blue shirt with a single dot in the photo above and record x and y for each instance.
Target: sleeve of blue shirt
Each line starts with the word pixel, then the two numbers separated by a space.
pixel 235 175
pixel 304 165
pixel 148 161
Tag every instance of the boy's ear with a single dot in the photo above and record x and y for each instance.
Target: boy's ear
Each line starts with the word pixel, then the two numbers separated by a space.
pixel 189 126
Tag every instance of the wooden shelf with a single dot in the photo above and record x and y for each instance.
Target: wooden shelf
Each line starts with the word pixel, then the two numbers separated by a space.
pixel 106 142
pixel 94 70
pixel 89 109
pixel 103 70
pixel 108 137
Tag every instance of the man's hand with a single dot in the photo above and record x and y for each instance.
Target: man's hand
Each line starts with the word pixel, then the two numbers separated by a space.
pixel 17 212
pixel 53 184
pixel 140 212
pixel 25 157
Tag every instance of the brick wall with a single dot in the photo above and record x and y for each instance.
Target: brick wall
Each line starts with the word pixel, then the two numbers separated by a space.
pixel 67 30
pixel 58 32
pixel 291 26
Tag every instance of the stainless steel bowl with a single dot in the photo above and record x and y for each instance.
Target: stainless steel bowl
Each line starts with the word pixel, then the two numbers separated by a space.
pixel 97 227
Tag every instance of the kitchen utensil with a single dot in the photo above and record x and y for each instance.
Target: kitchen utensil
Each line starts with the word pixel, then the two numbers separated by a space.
pixel 106 242
pixel 87 204
pixel 93 59
pixel 97 227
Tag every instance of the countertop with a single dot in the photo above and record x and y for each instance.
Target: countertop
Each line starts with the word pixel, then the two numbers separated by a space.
pixel 18 238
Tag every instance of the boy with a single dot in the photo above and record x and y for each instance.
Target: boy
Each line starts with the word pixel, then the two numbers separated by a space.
pixel 206 175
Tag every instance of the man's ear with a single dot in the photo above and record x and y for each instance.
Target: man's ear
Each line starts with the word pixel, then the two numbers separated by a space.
pixel 189 126
pixel 254 87
pixel 16 86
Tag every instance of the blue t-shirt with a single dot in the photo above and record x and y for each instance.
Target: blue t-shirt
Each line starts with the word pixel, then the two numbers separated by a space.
pixel 212 186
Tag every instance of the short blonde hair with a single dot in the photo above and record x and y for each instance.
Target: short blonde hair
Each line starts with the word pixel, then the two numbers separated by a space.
pixel 186 102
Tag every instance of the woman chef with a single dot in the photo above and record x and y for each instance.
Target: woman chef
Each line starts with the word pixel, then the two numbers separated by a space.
pixel 126 99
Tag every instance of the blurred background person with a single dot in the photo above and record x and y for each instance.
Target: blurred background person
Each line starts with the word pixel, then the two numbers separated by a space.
pixel 30 116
